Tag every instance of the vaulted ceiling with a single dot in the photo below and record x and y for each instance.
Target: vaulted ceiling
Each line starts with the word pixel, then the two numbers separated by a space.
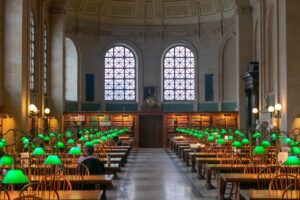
pixel 149 12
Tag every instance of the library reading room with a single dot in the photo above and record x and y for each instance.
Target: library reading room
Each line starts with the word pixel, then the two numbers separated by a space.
pixel 149 100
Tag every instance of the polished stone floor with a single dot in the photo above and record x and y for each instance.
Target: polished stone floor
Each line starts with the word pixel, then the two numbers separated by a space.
pixel 158 174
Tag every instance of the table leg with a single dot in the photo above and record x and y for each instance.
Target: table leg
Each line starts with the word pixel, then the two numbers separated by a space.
pixel 199 170
pixel 208 173
pixel 221 188
pixel 193 160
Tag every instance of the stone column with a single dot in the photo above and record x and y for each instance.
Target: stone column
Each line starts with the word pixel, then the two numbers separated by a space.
pixel 56 93
pixel 243 53
pixel 16 87
pixel 289 59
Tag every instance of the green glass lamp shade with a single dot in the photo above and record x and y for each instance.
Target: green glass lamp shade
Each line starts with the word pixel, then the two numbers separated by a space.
pixel 14 176
pixel 273 136
pixel 295 151
pixel 242 134
pixel 52 160
pixel 292 160
pixel 236 132
pixel 3 140
pixel 59 135
pixel 39 151
pixel 26 141
pixel 82 138
pixel 2 145
pixel 46 138
pixel 6 161
pixel 103 138
pixel 221 141
pixel 88 144
pixel 195 134
pixel 223 131
pixel 91 136
pixel 210 138
pixel 200 136
pixel 96 141
pixel 265 143
pixel 41 136
pixel 257 135
pixel 52 134
pixel 287 140
pixel 237 144
pixel 75 151
pixel 68 134
pixel 80 132
pixel 245 141
pixel 98 134
pixel 230 137
pixel 206 133
pixel 219 136
pixel 259 150
pixel 70 141
pixel 60 145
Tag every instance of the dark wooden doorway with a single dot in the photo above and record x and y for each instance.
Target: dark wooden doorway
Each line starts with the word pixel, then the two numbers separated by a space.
pixel 150 131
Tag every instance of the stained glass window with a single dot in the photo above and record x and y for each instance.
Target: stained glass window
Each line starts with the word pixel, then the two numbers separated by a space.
pixel 120 79
pixel 179 74
pixel 31 51
pixel 45 59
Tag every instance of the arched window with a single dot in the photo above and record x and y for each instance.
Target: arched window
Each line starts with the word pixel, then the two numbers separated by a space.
pixel 71 70
pixel 45 59
pixel 120 79
pixel 31 52
pixel 179 74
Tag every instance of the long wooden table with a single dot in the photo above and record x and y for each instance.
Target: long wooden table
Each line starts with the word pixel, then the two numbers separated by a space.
pixel 266 194
pixel 74 194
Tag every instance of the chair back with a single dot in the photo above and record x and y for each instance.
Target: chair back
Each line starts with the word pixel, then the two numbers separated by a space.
pixel 281 181
pixel 4 193
pixel 292 191
pixel 38 190
pixel 58 182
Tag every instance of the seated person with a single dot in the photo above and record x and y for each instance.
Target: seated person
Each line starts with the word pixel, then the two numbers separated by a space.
pixel 92 162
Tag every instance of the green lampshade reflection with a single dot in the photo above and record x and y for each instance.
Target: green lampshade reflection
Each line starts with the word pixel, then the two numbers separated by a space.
pixel 292 160
pixel 75 151
pixel 6 161
pixel 38 151
pixel 265 143
pixel 237 144
pixel 245 141
pixel 259 150
pixel 14 176
pixel 52 160
pixel 221 141
pixel 60 145
pixel 70 141
pixel 230 137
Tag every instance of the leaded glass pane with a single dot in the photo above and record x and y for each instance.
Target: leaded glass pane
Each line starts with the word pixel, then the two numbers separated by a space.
pixel 119 74
pixel 179 74
pixel 31 51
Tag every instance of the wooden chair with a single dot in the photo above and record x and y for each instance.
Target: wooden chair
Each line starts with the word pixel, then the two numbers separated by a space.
pixel 4 193
pixel 292 191
pixel 281 181
pixel 38 190
pixel 58 182
pixel 261 184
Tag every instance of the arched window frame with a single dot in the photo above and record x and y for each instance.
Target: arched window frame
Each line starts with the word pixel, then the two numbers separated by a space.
pixel 77 72
pixel 120 73
pixel 179 72
pixel 32 51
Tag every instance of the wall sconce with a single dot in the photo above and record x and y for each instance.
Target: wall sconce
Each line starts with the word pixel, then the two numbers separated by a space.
pixel 255 110
pixel 33 113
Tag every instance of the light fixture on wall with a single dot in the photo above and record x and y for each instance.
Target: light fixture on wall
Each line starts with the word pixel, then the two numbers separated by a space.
pixel 33 114
pixel 47 118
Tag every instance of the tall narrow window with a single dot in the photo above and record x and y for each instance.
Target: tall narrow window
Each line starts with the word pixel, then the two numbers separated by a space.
pixel 71 70
pixel 45 60
pixel 31 52
pixel 120 78
pixel 179 74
